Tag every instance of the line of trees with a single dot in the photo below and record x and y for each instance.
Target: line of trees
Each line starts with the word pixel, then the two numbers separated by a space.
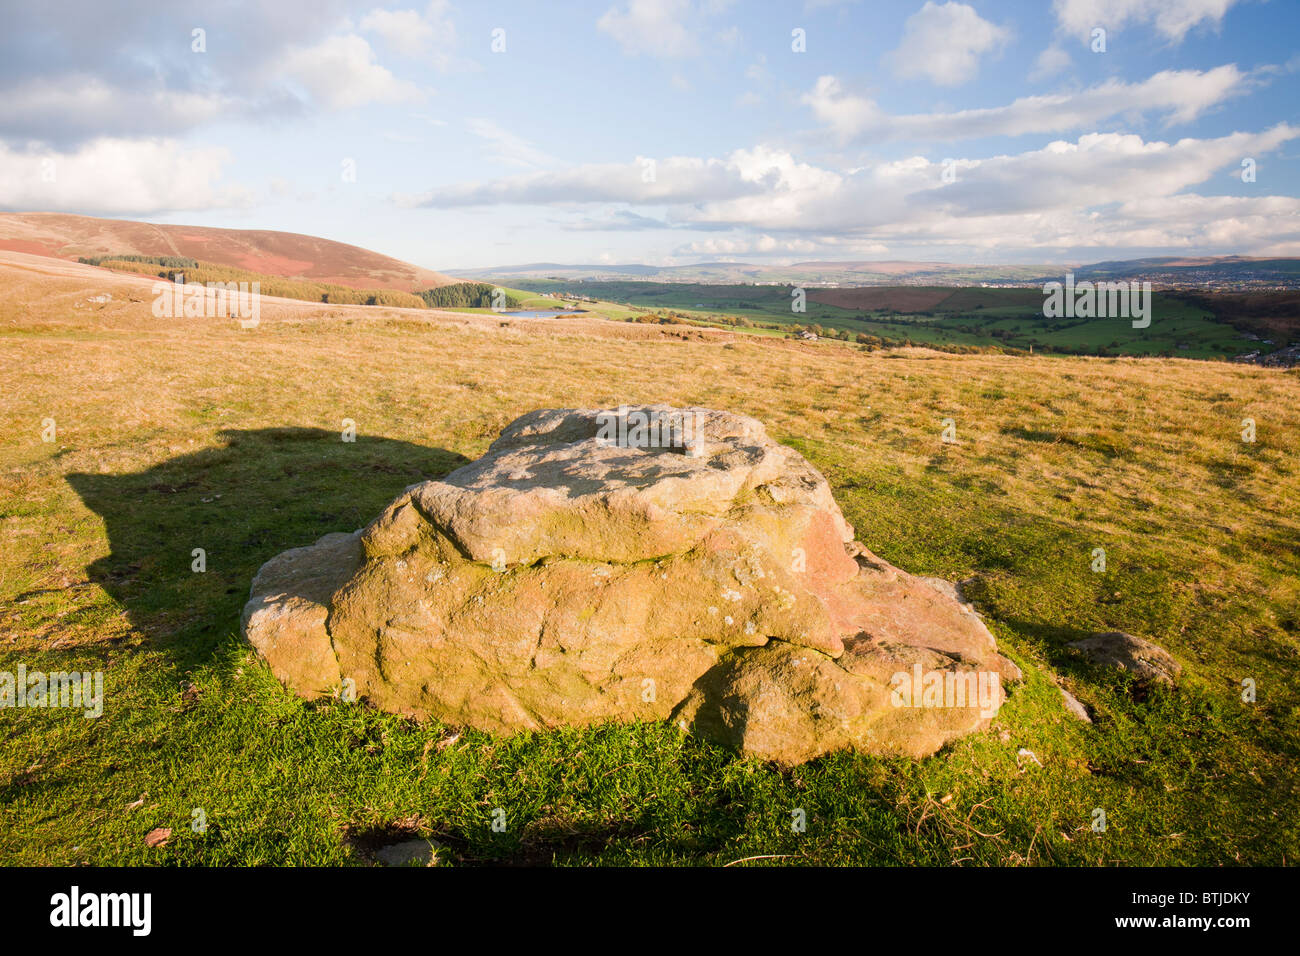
pixel 168 262
pixel 466 295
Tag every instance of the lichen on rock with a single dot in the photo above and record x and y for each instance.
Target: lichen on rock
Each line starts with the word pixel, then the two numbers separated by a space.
pixel 589 569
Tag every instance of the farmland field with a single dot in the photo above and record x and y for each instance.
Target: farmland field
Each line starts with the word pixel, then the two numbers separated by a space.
pixel 1009 318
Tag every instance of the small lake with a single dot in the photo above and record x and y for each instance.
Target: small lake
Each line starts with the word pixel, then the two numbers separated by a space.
pixel 543 315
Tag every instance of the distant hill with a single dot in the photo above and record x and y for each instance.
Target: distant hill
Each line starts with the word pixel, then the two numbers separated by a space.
pixel 284 254
pixel 1196 269
pixel 814 273
pixel 1169 271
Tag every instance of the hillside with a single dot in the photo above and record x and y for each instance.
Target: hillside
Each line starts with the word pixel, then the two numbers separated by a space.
pixel 284 254
pixel 1197 269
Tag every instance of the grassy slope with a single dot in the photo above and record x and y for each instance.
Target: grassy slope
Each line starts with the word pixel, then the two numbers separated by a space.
pixel 197 434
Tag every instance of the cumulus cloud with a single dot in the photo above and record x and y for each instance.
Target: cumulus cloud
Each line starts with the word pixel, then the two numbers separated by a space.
pixel 1176 96
pixel 944 43
pixel 1053 196
pixel 117 177
pixel 340 72
pixel 68 109
pixel 68 78
pixel 1171 18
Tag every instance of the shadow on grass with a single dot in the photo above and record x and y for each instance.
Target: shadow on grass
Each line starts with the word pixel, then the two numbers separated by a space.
pixel 1053 640
pixel 242 502
pixel 547 841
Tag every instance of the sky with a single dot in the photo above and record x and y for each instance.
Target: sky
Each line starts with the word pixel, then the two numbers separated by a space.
pixel 458 134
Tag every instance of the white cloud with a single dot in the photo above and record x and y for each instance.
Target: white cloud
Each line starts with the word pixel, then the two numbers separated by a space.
pixel 78 103
pixel 1050 62
pixel 340 72
pixel 671 180
pixel 1177 96
pixel 944 43
pixel 658 27
pixel 1172 18
pixel 1223 222
pixel 1105 189
pixel 403 30
pixel 117 176
pixel 430 36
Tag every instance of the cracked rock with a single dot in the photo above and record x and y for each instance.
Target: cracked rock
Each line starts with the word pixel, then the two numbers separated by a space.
pixel 570 578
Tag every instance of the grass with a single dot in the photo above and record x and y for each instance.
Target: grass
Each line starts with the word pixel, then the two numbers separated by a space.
pixel 982 318
pixel 202 273
pixel 194 433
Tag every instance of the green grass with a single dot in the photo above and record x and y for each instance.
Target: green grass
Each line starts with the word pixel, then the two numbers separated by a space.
pixel 977 317
pixel 1184 777
pixel 239 454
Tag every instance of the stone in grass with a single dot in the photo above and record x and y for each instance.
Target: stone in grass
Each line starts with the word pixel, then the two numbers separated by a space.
pixel 1074 707
pixel 1146 661
pixel 407 853
pixel 589 569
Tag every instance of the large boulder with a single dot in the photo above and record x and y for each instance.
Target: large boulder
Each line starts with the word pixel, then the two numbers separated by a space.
pixel 644 563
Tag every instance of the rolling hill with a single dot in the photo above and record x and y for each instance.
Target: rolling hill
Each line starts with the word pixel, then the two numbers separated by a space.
pixel 817 273
pixel 284 254
pixel 1168 272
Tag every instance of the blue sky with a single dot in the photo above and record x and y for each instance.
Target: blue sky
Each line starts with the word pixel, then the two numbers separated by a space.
pixel 670 131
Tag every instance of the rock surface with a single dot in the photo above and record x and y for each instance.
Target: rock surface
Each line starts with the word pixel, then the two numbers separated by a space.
pixel 1147 661
pixel 589 569
pixel 1074 707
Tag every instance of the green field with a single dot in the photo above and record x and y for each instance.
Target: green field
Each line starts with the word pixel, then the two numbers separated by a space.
pixel 1007 319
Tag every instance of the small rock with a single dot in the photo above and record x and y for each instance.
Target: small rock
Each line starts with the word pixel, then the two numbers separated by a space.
pixel 1073 706
pixel 407 853
pixel 1025 752
pixel 1146 661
